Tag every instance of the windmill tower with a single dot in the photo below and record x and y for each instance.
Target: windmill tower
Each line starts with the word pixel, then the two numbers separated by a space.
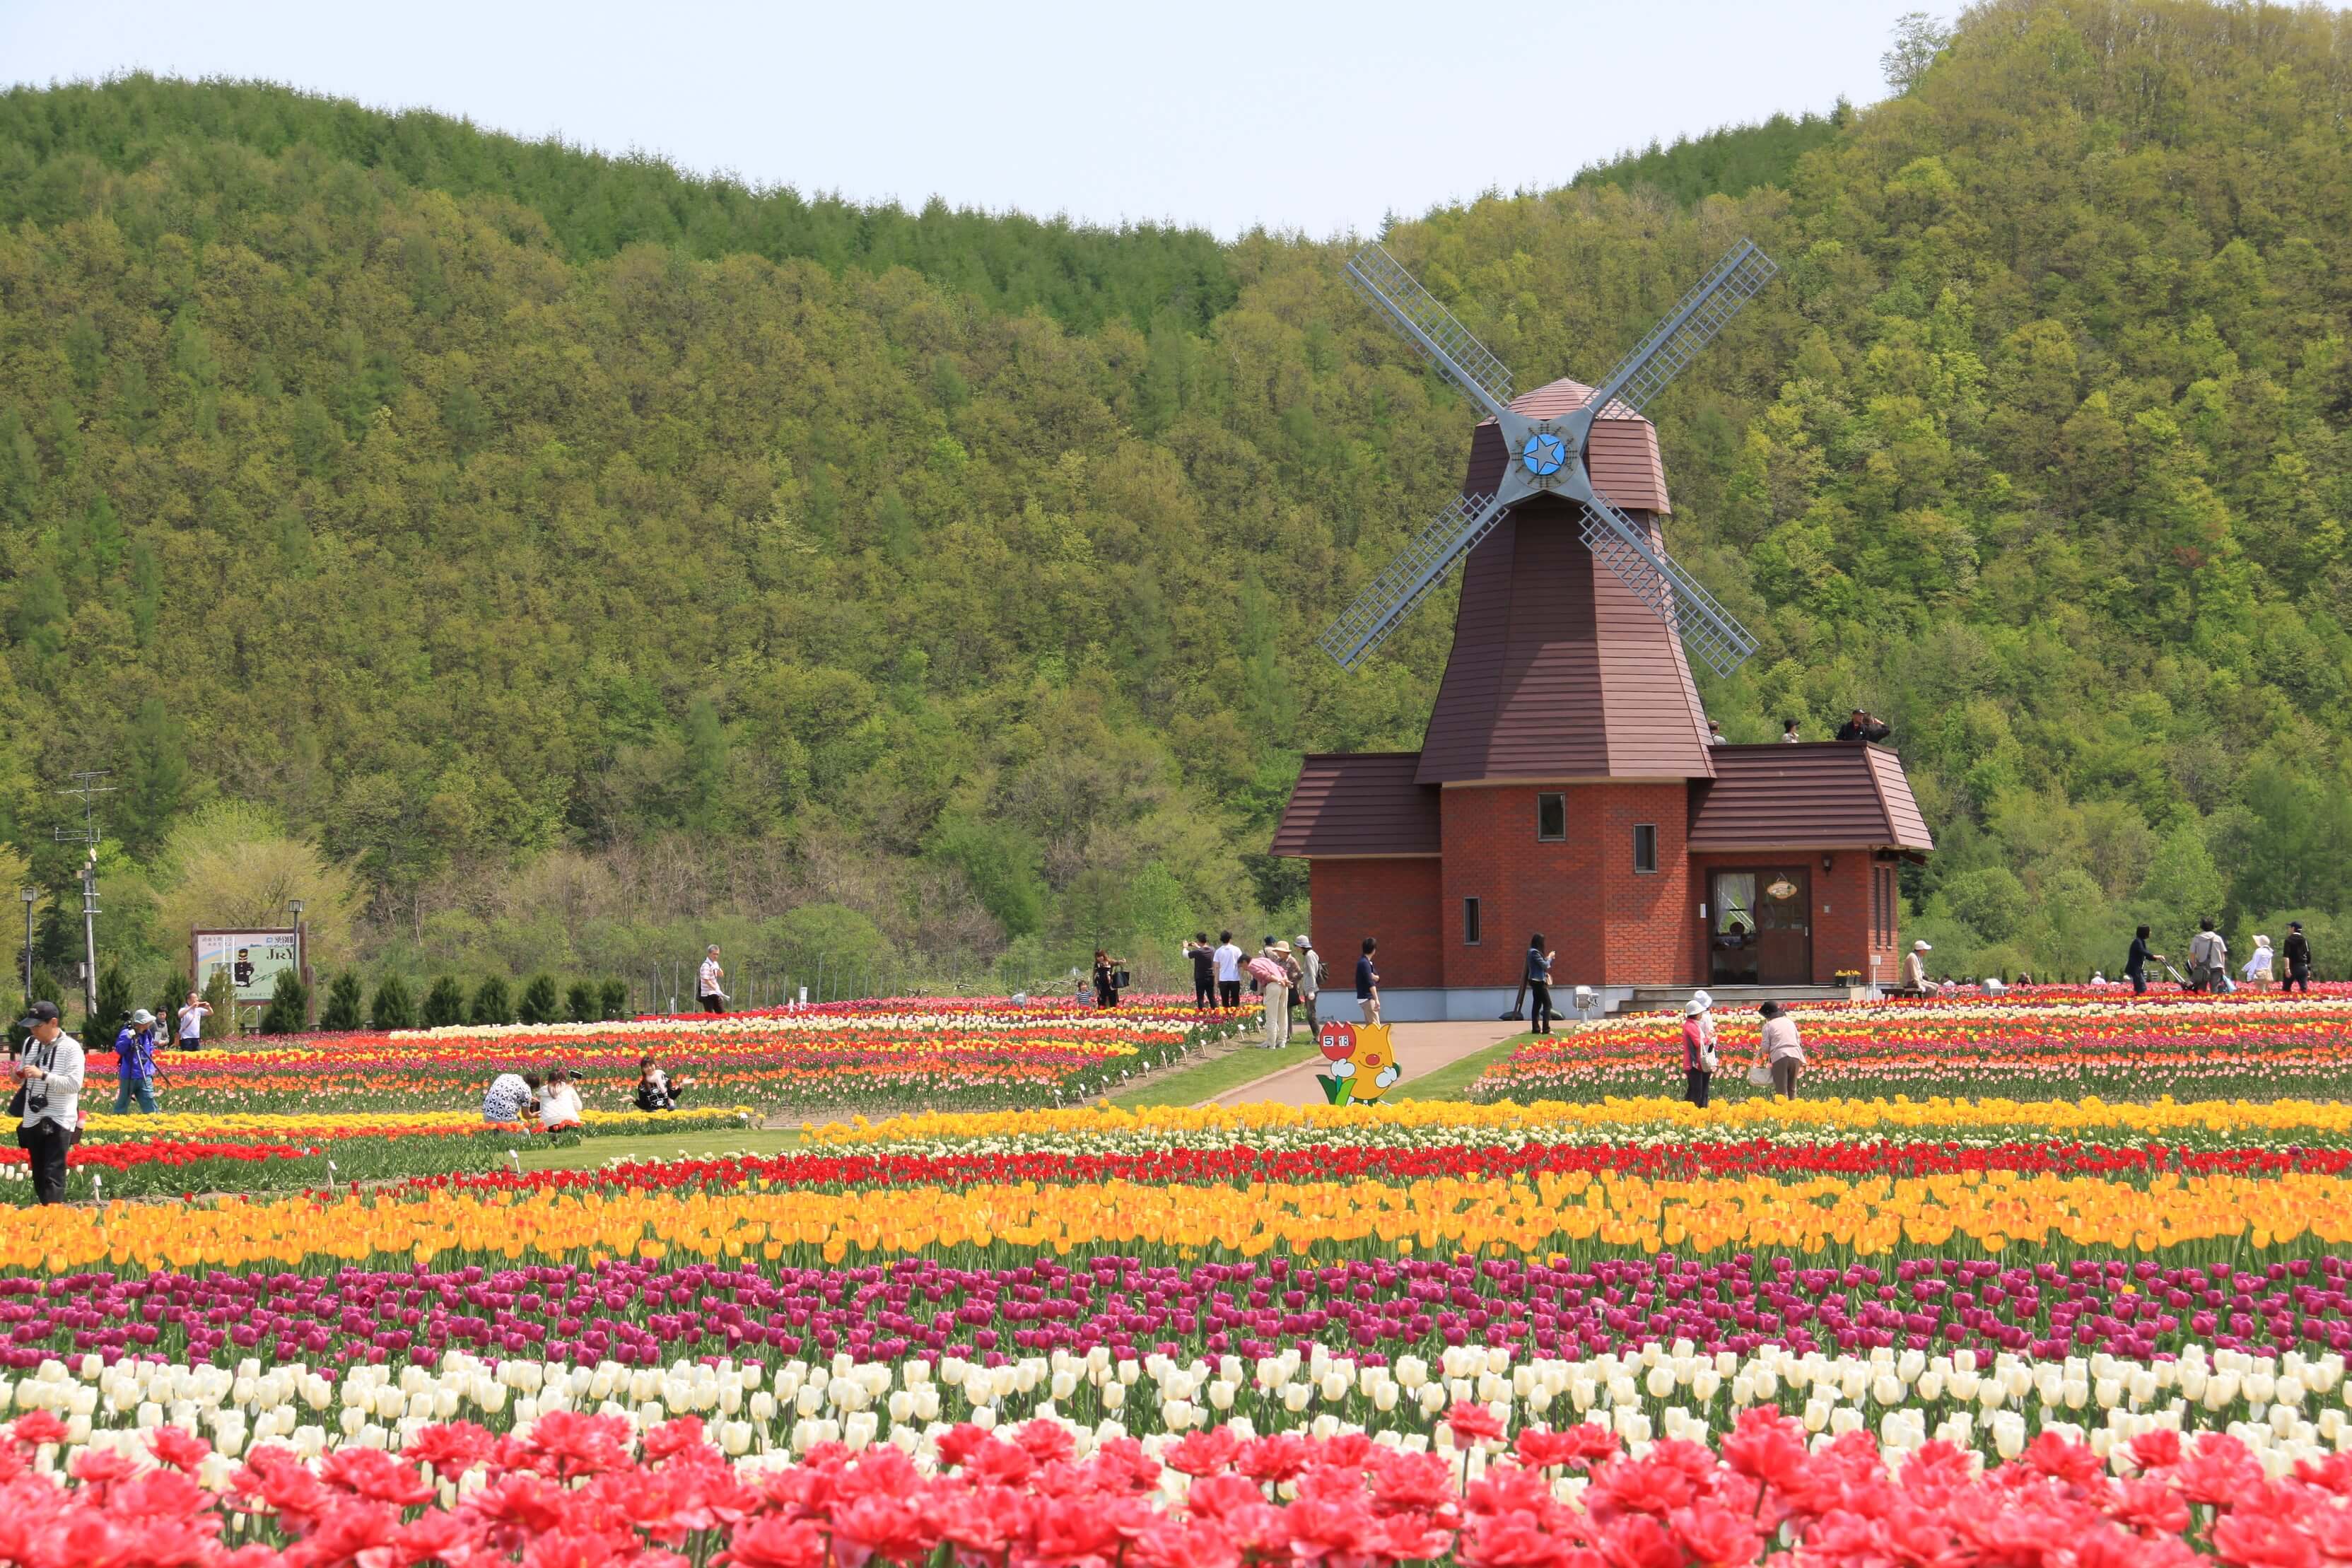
pixel 1566 784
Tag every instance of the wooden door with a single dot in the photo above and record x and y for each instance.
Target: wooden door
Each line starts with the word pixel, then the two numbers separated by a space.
pixel 1784 928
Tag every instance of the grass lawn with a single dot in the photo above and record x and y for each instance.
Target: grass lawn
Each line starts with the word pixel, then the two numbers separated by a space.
pixel 590 1153
pixel 1208 1079
pixel 1452 1080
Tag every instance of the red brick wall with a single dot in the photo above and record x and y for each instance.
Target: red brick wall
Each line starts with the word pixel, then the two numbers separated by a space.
pixel 1610 924
pixel 1395 901
pixel 1841 914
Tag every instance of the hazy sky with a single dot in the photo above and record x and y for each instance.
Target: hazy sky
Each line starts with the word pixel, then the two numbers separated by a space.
pixel 1316 117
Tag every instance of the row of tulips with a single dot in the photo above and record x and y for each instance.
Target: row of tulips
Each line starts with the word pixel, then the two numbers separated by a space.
pixel 643 1312
pixel 593 1491
pixel 967 1058
pixel 2201 1047
pixel 2289 1409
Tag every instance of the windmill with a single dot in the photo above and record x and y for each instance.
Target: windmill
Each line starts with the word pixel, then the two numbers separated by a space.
pixel 1547 458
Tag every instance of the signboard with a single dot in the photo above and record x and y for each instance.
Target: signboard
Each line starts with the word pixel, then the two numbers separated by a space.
pixel 253 958
pixel 1363 1062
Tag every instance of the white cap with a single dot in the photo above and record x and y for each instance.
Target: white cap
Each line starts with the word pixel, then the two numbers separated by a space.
pixel 1703 998
pixel 1693 1008
pixel 1921 947
pixel 143 1016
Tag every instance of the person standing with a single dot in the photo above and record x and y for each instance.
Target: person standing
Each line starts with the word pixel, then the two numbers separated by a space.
pixel 710 982
pixel 1274 985
pixel 1204 971
pixel 2257 972
pixel 1310 980
pixel 1539 977
pixel 1862 726
pixel 1699 1048
pixel 2298 958
pixel 1781 1050
pixel 2209 957
pixel 2136 962
pixel 1228 959
pixel 135 1063
pixel 49 1076
pixel 1105 979
pixel 192 1022
pixel 1367 983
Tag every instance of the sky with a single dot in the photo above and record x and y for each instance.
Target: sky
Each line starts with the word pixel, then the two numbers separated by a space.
pixel 1315 117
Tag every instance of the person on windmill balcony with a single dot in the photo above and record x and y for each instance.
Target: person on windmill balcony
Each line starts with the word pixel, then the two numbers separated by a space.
pixel 1789 736
pixel 1715 735
pixel 1863 726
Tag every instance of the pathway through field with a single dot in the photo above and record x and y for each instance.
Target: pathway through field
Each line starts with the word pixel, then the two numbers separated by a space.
pixel 1421 1049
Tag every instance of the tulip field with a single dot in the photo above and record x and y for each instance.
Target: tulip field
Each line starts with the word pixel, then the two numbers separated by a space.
pixel 2039 1045
pixel 2005 1285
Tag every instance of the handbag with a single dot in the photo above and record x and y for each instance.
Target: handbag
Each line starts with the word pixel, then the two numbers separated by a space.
pixel 1118 980
pixel 1707 1060
pixel 1760 1076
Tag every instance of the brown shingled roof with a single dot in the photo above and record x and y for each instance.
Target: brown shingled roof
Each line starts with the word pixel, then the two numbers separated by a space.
pixel 1622 459
pixel 1558 672
pixel 1359 804
pixel 1825 794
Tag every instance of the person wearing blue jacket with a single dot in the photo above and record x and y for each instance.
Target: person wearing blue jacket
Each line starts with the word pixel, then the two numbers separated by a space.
pixel 134 1063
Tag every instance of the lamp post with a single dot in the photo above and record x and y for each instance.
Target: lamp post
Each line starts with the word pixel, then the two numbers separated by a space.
pixel 301 970
pixel 29 895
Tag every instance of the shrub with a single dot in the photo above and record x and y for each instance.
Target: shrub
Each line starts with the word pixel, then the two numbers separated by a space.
pixel 289 1006
pixel 167 1011
pixel 114 1005
pixel 616 999
pixel 344 998
pixel 445 1004
pixel 220 995
pixel 393 1007
pixel 538 1003
pixel 580 1003
pixel 490 1004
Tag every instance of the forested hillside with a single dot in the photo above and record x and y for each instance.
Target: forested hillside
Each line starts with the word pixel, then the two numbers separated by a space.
pixel 588 557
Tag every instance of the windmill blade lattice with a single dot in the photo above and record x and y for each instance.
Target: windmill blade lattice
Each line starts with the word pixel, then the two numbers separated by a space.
pixel 1673 595
pixel 1430 327
pixel 1416 569
pixel 1690 327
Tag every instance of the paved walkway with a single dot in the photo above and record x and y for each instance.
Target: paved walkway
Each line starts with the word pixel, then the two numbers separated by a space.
pixel 1421 1049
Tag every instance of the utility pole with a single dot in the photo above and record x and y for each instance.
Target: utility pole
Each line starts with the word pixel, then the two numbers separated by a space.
pixel 87 786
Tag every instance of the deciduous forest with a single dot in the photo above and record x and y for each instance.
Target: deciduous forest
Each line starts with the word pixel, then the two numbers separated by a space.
pixel 552 559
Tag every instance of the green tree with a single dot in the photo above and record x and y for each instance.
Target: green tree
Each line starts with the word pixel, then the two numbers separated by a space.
pixel 445 1003
pixel 220 995
pixel 392 1007
pixel 345 999
pixel 614 1000
pixel 539 1003
pixel 116 998
pixel 490 1004
pixel 581 1004
pixel 290 1002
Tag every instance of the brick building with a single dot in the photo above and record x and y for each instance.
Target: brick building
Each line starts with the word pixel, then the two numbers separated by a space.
pixel 1566 786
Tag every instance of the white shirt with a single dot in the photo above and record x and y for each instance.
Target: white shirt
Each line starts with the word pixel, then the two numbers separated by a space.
pixel 192 1020
pixel 1915 970
pixel 1310 972
pixel 559 1105
pixel 711 974
pixel 2207 947
pixel 62 1060
pixel 2259 964
pixel 1229 963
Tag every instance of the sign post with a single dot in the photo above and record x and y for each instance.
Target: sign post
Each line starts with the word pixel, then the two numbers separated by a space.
pixel 254 960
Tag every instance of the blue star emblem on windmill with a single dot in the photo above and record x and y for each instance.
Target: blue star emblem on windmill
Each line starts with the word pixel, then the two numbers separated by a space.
pixel 1545 454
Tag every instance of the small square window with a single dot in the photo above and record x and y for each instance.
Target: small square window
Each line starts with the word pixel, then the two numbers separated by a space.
pixel 1551 816
pixel 1645 848
pixel 1469 922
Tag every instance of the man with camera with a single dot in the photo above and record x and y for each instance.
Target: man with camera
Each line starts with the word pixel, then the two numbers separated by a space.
pixel 1863 725
pixel 49 1098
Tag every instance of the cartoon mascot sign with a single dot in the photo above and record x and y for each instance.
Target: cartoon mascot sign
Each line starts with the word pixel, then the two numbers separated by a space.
pixel 1363 1062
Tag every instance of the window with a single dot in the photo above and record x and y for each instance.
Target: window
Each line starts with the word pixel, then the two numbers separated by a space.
pixel 1551 816
pixel 1469 922
pixel 1645 848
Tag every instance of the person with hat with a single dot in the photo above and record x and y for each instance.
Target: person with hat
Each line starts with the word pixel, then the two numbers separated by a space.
pixel 1309 964
pixel 2297 951
pixel 49 1095
pixel 1779 1050
pixel 1698 1046
pixel 1914 968
pixel 1862 726
pixel 134 1063
pixel 1271 969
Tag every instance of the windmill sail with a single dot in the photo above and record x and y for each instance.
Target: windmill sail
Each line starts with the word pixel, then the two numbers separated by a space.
pixel 1430 328
pixel 1690 327
pixel 1673 595
pixel 1419 567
